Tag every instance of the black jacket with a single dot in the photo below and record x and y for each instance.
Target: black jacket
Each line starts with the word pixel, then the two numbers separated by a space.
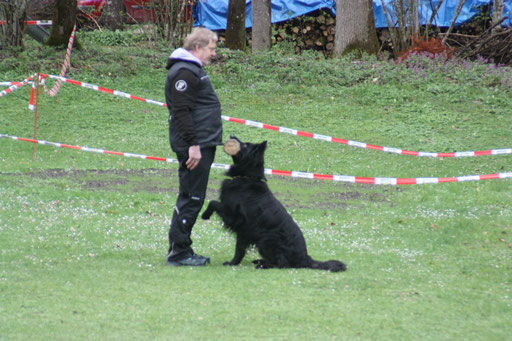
pixel 194 108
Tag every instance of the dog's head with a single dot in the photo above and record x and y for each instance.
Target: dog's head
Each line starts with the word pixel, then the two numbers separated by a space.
pixel 248 158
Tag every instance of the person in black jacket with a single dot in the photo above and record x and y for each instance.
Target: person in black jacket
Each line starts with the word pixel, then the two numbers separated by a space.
pixel 195 130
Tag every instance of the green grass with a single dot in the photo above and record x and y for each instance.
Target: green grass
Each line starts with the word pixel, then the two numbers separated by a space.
pixel 83 236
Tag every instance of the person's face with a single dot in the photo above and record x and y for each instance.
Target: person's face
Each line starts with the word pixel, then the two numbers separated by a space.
pixel 205 53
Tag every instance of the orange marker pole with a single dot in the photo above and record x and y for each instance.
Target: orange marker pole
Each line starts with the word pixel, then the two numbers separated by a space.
pixel 35 118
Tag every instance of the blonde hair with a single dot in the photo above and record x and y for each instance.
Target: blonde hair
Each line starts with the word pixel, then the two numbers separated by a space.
pixel 199 36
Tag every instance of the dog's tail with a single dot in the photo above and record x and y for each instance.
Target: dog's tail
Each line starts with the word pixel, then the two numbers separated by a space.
pixel 330 265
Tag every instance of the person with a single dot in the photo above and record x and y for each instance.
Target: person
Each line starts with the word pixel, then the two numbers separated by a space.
pixel 195 130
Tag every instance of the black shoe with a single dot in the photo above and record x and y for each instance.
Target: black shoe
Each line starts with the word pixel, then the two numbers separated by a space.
pixel 194 260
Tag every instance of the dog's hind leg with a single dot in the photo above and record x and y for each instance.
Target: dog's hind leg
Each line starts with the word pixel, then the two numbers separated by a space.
pixel 241 247
pixel 213 206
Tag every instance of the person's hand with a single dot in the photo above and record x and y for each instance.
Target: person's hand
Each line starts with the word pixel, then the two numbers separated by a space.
pixel 194 156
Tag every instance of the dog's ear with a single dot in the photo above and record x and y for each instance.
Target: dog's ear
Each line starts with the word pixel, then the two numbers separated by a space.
pixel 263 146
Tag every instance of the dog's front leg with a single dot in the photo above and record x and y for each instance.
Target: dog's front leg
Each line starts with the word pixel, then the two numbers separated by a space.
pixel 240 249
pixel 213 206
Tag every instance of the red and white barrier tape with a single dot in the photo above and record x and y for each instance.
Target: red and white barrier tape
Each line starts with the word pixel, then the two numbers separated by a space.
pixel 16 85
pixel 102 89
pixel 365 145
pixel 294 174
pixel 294 131
pixel 34 22
pixel 10 83
pixel 31 105
pixel 65 66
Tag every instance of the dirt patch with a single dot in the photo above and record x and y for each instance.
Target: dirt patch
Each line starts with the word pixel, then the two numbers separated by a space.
pixel 138 180
pixel 294 193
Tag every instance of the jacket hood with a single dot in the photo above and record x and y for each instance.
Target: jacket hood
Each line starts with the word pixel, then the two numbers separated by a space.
pixel 182 54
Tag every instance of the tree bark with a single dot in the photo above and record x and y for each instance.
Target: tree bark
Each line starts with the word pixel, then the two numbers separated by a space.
pixel 14 14
pixel 414 20
pixel 64 19
pixel 261 25
pixel 112 15
pixel 355 27
pixel 497 11
pixel 235 31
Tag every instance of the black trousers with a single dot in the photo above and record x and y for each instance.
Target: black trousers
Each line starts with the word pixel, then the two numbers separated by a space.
pixel 191 196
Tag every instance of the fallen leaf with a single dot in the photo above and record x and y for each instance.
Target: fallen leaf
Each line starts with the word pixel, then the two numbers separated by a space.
pixel 434 226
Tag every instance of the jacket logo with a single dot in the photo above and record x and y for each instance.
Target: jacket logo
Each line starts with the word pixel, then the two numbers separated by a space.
pixel 181 85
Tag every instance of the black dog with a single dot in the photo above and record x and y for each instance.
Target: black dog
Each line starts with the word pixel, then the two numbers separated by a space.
pixel 250 210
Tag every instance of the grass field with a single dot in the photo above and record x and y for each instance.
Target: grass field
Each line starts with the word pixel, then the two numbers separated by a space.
pixel 83 236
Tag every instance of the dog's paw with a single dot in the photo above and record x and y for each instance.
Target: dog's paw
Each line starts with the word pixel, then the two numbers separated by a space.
pixel 206 215
pixel 261 264
pixel 228 264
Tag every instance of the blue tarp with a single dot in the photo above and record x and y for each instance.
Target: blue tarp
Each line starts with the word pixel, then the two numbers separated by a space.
pixel 212 13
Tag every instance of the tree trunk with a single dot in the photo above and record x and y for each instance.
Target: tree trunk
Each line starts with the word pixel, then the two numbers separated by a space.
pixel 497 11
pixel 13 13
pixel 112 15
pixel 235 31
pixel 355 27
pixel 64 18
pixel 414 20
pixel 261 25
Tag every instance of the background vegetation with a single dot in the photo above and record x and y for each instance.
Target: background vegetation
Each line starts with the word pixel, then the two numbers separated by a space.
pixel 83 235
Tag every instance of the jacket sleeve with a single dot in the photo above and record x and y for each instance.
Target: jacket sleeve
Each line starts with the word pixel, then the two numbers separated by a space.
pixel 183 91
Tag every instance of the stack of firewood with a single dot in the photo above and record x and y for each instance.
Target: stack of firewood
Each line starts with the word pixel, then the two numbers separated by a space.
pixel 308 32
